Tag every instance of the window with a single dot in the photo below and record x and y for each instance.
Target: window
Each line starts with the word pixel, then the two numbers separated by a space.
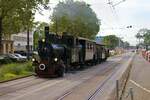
pixel 87 45
pixel 91 46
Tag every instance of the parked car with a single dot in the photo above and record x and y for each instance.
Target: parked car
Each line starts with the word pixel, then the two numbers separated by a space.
pixel 14 58
pixel 4 59
pixel 23 53
pixel 22 58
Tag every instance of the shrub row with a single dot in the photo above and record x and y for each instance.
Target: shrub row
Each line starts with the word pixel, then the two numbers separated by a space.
pixel 14 70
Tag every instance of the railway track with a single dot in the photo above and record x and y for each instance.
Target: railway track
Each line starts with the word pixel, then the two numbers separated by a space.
pixel 104 71
pixel 98 89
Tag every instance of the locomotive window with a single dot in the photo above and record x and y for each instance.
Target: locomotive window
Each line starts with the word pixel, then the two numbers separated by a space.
pixel 77 42
pixel 91 46
pixel 70 42
pixel 88 45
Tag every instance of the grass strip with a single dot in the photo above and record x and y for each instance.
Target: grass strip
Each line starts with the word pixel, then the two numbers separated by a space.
pixel 15 70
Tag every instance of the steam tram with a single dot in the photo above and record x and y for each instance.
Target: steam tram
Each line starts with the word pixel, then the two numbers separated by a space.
pixel 59 53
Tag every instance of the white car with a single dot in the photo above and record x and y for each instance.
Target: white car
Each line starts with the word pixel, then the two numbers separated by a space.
pixel 22 58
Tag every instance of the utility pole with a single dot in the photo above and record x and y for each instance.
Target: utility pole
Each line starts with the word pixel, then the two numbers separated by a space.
pixel 56 24
pixel 28 44
pixel 0 34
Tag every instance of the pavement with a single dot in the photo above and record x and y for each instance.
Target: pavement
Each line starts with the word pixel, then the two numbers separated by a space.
pixel 139 80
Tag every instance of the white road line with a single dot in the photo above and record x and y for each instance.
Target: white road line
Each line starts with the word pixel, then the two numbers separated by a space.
pixel 138 85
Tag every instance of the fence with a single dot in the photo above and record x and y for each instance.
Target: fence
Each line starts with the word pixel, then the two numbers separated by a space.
pixel 121 84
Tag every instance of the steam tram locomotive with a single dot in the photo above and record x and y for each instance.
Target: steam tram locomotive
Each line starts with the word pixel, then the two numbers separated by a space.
pixel 59 53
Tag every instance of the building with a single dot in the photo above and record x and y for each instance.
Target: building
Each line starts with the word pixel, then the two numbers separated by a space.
pixel 20 41
pixel 99 39
pixel 7 46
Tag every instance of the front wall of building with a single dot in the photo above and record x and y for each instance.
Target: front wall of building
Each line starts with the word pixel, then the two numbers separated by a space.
pixel 7 46
pixel 20 41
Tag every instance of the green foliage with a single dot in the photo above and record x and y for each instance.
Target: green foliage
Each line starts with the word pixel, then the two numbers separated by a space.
pixel 145 35
pixel 76 18
pixel 9 76
pixel 111 41
pixel 14 70
pixel 18 15
pixel 39 32
pixel 126 44
pixel 147 38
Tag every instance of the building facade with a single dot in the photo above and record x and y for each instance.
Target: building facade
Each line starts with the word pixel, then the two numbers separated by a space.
pixel 99 39
pixel 7 47
pixel 20 41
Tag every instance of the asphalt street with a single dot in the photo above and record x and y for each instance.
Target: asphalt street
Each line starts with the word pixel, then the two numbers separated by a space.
pixel 139 80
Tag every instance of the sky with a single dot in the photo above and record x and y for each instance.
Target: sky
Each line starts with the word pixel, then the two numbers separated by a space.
pixel 114 20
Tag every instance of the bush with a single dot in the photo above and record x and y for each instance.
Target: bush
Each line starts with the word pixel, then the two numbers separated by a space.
pixel 14 70
pixel 29 67
pixel 9 75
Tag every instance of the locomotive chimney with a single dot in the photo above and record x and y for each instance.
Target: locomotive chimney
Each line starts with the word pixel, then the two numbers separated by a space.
pixel 46 32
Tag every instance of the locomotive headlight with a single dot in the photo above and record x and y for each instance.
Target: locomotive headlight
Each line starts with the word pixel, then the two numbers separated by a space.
pixel 55 59
pixel 43 40
pixel 33 59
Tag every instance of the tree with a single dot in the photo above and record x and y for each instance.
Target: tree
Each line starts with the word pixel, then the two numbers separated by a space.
pixel 111 41
pixel 126 44
pixel 76 18
pixel 139 35
pixel 27 13
pixel 147 38
pixel 145 35
pixel 39 33
pixel 8 18
pixel 17 15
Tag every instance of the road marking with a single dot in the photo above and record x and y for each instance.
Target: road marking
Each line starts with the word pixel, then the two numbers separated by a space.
pixel 138 85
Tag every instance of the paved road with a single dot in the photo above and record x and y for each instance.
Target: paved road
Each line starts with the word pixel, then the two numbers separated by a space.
pixel 139 80
pixel 98 89
pixel 82 82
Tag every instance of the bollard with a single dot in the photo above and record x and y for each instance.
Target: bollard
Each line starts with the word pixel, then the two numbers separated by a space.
pixel 117 89
pixel 148 56
pixel 131 93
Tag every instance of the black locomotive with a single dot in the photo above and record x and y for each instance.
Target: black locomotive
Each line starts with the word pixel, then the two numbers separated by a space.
pixel 59 53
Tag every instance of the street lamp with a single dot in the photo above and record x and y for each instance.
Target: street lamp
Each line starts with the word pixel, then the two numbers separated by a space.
pixel 129 26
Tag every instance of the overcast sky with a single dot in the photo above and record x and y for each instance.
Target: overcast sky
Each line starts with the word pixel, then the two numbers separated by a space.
pixel 115 21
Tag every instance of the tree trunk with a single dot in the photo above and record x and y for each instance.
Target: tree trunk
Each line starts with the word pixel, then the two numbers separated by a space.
pixel 0 34
pixel 28 45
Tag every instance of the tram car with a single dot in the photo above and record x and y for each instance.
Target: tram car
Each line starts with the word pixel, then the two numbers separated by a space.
pixel 59 53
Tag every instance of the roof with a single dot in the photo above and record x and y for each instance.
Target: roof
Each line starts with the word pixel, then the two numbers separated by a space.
pixel 81 38
pixel 100 44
